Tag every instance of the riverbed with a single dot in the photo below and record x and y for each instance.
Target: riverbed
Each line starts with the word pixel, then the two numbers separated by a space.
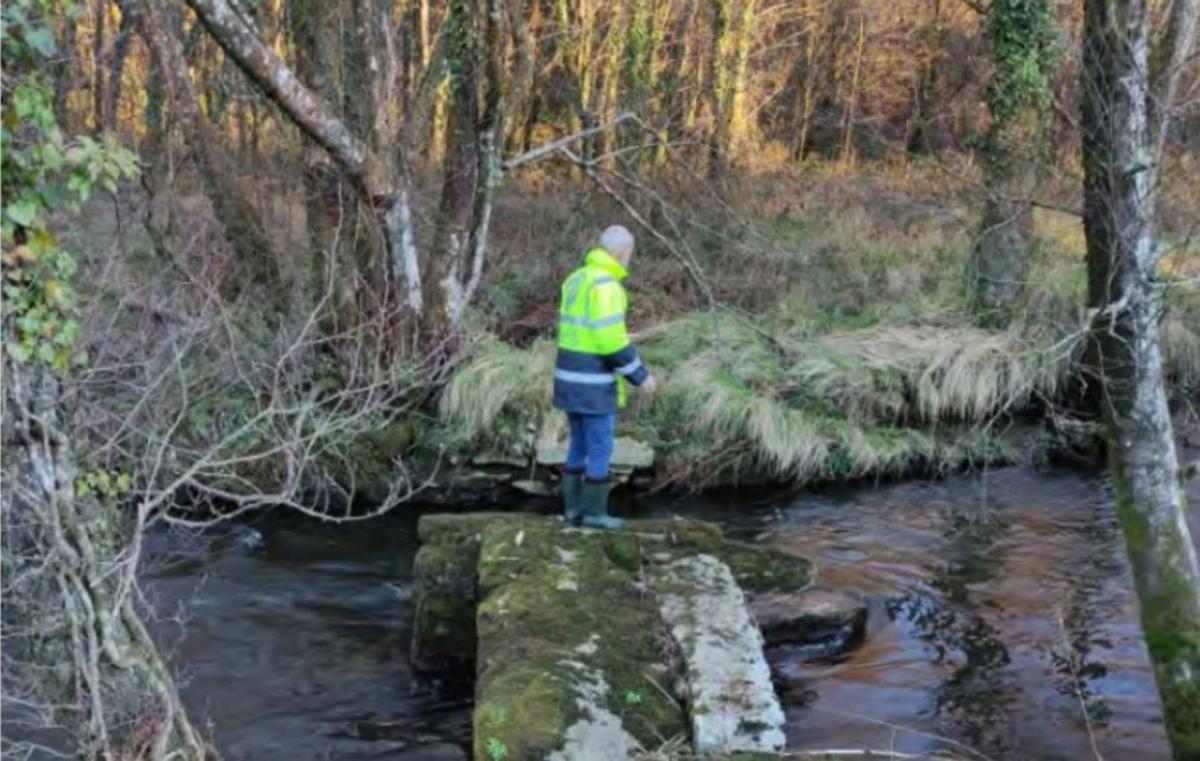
pixel 1003 624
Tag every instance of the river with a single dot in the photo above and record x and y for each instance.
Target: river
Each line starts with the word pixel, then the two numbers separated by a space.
pixel 1003 620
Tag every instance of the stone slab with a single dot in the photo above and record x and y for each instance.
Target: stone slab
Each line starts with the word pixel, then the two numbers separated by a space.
pixel 833 619
pixel 731 702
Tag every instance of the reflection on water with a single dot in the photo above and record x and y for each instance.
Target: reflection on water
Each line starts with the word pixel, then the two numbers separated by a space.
pixel 1000 618
pixel 1005 621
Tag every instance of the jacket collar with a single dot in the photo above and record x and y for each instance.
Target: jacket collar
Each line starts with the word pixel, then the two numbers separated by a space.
pixel 601 259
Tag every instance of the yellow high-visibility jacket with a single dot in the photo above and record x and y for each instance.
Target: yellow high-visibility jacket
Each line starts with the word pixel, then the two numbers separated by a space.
pixel 594 352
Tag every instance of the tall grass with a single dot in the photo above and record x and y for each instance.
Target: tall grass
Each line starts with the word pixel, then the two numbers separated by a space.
pixel 860 359
pixel 737 399
pixel 500 387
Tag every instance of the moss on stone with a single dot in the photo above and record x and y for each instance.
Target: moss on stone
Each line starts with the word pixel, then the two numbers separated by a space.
pixel 569 640
pixel 760 570
pixel 444 573
pixel 462 528
pixel 552 652
pixel 446 568
pixel 443 631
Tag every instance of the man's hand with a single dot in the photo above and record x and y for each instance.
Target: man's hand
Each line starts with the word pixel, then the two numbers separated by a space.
pixel 650 385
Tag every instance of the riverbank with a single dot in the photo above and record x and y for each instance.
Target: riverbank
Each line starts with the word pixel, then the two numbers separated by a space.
pixel 758 402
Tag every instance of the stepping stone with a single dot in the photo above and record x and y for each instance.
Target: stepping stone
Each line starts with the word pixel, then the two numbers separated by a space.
pixel 600 646
pixel 816 616
pixel 731 702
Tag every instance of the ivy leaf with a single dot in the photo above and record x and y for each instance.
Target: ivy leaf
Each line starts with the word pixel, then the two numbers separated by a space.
pixel 23 212
pixel 19 352
pixel 40 39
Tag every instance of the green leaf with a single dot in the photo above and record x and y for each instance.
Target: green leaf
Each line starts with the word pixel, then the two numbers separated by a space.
pixel 41 40
pixel 23 212
pixel 29 323
pixel 19 352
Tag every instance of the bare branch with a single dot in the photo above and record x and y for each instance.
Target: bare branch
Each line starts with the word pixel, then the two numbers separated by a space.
pixel 548 149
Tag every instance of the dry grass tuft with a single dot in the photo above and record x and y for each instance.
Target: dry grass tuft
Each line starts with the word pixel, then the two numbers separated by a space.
pixel 1181 349
pixel 734 398
pixel 929 372
pixel 498 380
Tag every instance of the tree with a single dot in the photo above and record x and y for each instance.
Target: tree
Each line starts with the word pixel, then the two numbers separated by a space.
pixel 1128 96
pixel 732 35
pixel 1021 42
pixel 68 602
pixel 235 213
pixel 472 164
pixel 374 163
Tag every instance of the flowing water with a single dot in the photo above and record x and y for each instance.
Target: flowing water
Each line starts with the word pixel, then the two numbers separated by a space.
pixel 1003 624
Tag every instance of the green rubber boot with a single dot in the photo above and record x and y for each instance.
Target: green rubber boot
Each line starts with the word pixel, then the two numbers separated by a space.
pixel 572 493
pixel 595 506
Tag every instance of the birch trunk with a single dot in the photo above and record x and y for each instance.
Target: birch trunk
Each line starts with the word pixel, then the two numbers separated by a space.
pixel 1122 130
pixel 378 179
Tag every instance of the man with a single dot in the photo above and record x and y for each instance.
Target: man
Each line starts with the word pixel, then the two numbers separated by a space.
pixel 595 359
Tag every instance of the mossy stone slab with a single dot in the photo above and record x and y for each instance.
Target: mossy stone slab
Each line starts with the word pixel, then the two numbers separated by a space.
pixel 574 661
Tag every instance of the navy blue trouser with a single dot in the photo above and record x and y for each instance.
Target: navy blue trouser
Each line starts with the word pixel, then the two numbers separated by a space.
pixel 591 444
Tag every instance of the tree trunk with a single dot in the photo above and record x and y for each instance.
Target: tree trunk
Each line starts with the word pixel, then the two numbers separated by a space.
pixel 460 164
pixel 520 100
pixel 1020 35
pixel 678 53
pixel 731 40
pixel 1120 134
pixel 472 159
pixel 376 178
pixel 235 212
pixel 739 125
pixel 718 86
pixel 815 35
pixel 610 76
pixel 999 260
pixel 66 73
pixel 329 202
pixel 848 152
pixel 917 140
pixel 99 25
pixel 576 23
pixel 68 602
pixel 116 63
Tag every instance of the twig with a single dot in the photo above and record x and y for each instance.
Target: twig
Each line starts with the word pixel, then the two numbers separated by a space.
pixel 961 746
pixel 1087 718
pixel 692 269
pixel 547 149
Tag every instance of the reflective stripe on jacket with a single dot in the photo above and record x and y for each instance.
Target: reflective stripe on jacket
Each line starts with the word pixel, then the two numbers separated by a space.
pixel 594 353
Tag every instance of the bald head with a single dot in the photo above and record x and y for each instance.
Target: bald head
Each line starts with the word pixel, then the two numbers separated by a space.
pixel 617 241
